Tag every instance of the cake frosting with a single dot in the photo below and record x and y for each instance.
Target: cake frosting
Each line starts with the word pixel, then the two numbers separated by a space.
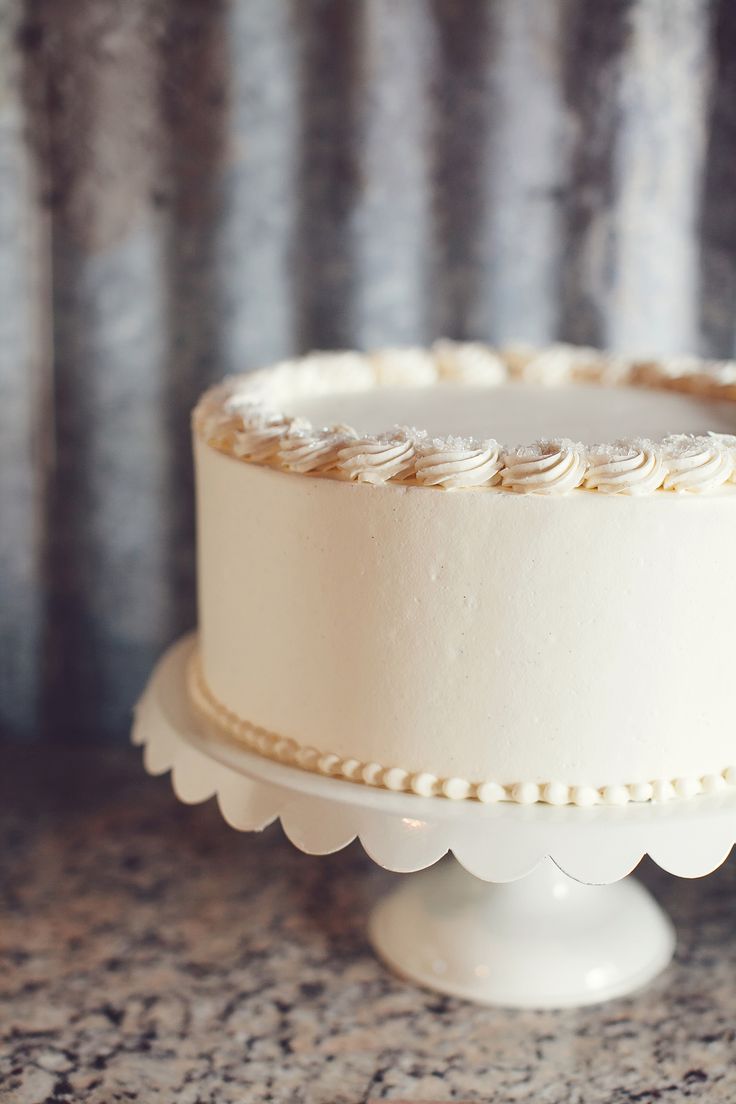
pixel 473 573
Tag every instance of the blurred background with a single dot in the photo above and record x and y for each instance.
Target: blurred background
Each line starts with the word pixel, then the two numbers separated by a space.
pixel 194 187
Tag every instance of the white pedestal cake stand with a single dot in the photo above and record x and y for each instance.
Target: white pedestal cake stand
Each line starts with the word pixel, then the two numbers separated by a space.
pixel 528 916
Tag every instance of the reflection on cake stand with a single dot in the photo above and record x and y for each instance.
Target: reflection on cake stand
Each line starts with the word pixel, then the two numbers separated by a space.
pixel 536 912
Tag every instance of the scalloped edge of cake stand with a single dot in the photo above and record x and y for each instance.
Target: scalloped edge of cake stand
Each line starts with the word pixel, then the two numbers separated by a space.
pixel 403 832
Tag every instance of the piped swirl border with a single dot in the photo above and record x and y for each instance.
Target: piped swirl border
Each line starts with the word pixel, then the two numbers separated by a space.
pixel 244 417
pixel 423 783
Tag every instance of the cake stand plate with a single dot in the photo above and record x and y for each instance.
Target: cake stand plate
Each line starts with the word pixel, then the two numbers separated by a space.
pixel 528 916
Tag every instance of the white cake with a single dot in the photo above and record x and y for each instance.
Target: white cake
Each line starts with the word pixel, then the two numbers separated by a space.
pixel 418 597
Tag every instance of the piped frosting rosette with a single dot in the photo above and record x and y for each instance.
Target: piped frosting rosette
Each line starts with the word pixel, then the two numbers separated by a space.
pixel 627 467
pixel 457 462
pixel 379 459
pixel 697 465
pixel 549 467
pixel 314 452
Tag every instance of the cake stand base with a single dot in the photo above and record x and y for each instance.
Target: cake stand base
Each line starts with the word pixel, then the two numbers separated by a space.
pixel 544 941
pixel 500 922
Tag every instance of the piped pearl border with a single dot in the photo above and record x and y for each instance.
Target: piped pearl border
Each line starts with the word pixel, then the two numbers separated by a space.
pixel 425 784
pixel 245 418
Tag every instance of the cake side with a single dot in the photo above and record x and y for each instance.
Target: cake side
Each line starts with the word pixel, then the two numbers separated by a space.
pixel 561 647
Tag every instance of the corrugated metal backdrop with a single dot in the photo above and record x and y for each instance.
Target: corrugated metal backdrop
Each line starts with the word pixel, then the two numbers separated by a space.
pixel 189 187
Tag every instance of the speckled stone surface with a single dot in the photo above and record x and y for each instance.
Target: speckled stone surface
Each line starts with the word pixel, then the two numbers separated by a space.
pixel 150 953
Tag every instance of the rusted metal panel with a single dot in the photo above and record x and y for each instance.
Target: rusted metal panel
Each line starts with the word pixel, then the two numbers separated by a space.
pixel 191 188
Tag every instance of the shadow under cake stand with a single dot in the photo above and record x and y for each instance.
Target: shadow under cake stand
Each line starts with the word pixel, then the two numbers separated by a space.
pixel 534 911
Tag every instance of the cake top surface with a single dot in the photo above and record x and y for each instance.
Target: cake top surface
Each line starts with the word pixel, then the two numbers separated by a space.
pixel 465 416
pixel 517 412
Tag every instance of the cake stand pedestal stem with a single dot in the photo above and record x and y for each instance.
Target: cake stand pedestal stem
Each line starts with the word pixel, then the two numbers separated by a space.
pixel 544 941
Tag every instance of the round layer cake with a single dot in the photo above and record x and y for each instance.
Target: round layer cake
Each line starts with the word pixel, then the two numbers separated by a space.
pixel 501 575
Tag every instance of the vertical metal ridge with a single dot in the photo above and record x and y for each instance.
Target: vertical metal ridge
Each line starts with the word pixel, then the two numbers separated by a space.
pixel 592 53
pixel 256 232
pixel 463 113
pixel 193 90
pixel 323 286
pixel 26 437
pixel 192 85
pixel 718 202
pixel 526 173
pixel 662 97
pixel 391 222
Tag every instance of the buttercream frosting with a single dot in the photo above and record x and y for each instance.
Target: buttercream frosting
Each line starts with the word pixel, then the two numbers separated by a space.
pixel 444 611
pixel 469 362
pixel 549 467
pixel 261 438
pixel 697 465
pixel 404 367
pixel 628 467
pixel 557 364
pixel 310 452
pixel 379 459
pixel 260 419
pixel 456 463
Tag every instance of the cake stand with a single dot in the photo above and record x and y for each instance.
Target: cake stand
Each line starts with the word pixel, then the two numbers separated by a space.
pixel 534 911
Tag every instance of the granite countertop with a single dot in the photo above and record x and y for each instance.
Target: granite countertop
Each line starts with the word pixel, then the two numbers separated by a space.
pixel 148 952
